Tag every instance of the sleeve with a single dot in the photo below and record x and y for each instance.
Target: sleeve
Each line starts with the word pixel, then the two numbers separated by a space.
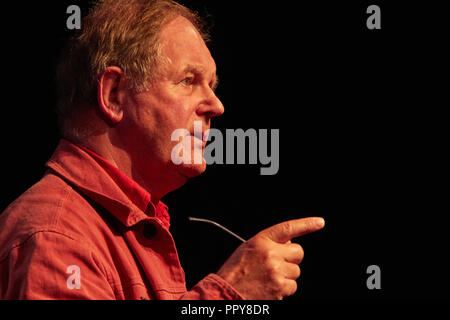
pixel 51 265
pixel 212 287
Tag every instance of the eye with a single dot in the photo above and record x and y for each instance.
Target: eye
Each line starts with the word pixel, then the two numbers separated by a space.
pixel 187 81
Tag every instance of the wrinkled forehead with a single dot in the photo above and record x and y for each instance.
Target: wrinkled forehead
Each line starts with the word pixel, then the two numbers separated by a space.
pixel 183 45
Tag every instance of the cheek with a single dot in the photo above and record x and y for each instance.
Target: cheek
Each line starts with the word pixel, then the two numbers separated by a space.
pixel 156 117
pixel 175 115
pixel 164 109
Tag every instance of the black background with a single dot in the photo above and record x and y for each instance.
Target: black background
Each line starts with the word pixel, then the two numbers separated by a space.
pixel 361 119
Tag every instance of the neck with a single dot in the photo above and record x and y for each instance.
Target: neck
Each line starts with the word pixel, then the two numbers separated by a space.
pixel 152 177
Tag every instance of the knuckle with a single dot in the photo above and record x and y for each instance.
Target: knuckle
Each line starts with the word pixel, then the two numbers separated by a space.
pixel 309 224
pixel 292 272
pixel 288 228
pixel 297 253
pixel 278 282
pixel 273 271
pixel 301 253
pixel 298 249
pixel 269 255
pixel 257 243
pixel 291 288
pixel 253 243
pixel 297 271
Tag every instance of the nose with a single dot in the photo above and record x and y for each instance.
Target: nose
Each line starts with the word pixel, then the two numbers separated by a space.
pixel 211 106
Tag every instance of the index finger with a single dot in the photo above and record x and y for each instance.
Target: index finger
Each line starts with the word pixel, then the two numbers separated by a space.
pixel 285 231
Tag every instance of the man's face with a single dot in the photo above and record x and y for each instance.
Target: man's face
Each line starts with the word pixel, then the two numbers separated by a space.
pixel 181 94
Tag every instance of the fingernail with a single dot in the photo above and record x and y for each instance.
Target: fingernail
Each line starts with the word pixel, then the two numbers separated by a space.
pixel 320 222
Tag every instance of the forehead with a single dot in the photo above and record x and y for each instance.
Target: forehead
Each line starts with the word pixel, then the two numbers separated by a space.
pixel 184 46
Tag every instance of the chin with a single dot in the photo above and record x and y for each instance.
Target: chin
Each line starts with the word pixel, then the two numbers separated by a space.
pixel 192 170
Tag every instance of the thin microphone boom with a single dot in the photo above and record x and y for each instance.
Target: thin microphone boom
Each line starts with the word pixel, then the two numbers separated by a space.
pixel 217 225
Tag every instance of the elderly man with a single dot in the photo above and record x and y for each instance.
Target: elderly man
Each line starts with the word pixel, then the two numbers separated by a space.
pixel 94 226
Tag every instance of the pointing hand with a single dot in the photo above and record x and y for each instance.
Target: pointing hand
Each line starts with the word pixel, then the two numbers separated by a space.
pixel 266 266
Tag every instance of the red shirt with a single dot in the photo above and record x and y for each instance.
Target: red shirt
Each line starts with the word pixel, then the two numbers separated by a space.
pixel 138 195
pixel 87 231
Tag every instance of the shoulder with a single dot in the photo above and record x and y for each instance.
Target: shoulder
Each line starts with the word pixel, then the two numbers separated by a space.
pixel 51 205
pixel 44 265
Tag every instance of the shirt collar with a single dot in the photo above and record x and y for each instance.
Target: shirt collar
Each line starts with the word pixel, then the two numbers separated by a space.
pixel 110 187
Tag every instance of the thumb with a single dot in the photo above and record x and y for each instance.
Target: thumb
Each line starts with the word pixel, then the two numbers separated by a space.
pixel 285 231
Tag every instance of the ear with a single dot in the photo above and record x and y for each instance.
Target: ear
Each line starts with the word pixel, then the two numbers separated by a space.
pixel 110 89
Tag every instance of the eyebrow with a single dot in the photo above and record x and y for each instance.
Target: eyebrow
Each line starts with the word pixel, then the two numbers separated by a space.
pixel 215 83
pixel 199 69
